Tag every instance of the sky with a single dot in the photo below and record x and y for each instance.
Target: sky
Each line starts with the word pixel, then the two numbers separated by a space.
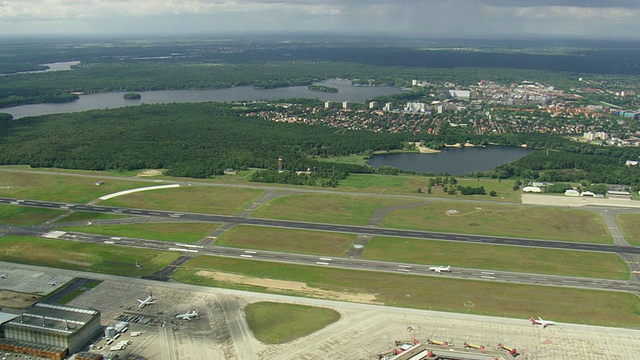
pixel 461 19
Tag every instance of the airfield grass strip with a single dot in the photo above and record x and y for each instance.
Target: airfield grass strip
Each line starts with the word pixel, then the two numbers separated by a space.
pixel 279 323
pixel 498 257
pixel 326 208
pixel 61 187
pixel 432 293
pixel 179 231
pixel 409 185
pixel 503 220
pixel 20 215
pixel 196 199
pixel 630 226
pixel 287 240
pixel 99 258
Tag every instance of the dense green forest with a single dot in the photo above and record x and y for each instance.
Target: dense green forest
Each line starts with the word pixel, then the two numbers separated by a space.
pixel 201 140
pixel 193 140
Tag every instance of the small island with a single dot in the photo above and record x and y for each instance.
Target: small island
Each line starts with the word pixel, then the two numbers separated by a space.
pixel 132 96
pixel 321 88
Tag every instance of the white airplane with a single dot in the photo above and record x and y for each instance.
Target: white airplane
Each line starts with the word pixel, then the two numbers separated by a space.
pixel 3 276
pixel 148 301
pixel 53 283
pixel 541 321
pixel 188 315
pixel 440 269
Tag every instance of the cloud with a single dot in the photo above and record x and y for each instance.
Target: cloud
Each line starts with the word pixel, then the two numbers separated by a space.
pixel 417 18
pixel 631 4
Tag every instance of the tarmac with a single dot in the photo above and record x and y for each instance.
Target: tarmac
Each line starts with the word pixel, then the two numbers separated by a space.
pixel 363 332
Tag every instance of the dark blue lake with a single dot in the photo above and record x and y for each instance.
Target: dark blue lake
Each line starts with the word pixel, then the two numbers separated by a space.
pixel 452 161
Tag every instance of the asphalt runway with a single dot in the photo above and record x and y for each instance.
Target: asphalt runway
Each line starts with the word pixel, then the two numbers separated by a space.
pixel 361 230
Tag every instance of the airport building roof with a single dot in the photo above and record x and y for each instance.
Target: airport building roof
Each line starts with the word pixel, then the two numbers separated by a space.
pixel 4 317
pixel 56 318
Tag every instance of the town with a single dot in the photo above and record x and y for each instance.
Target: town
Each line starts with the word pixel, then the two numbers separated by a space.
pixel 487 108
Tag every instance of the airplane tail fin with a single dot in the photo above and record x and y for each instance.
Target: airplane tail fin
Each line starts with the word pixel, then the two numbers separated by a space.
pixel 533 321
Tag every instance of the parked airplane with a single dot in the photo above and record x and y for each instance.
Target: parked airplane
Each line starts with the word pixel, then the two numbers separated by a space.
pixel 148 301
pixel 188 315
pixel 3 276
pixel 541 321
pixel 53 283
pixel 440 269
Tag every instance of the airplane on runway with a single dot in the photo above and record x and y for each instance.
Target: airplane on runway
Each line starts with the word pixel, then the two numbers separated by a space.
pixel 188 315
pixel 541 321
pixel 440 269
pixel 148 301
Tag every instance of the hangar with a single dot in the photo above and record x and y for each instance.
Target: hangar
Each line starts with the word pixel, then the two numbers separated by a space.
pixel 51 330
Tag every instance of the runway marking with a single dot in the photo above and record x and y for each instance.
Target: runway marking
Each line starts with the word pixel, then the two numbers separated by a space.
pixel 404 266
pixel 322 263
pixel 326 259
pixel 250 252
pixel 487 273
pixel 405 270
pixel 487 277
pixel 247 256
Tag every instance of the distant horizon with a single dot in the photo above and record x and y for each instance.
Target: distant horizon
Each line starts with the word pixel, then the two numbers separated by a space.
pixel 420 19
pixel 281 36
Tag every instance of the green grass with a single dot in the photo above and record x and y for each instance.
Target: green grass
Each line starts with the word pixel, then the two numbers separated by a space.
pixel 630 227
pixel 504 220
pixel 432 293
pixel 409 185
pixel 287 240
pixel 279 323
pixel 198 199
pixel 179 232
pixel 21 215
pixel 97 258
pixel 70 296
pixel 496 257
pixel 61 187
pixel 326 208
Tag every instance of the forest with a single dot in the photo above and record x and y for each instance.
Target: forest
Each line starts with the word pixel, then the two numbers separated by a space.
pixel 192 140
pixel 202 140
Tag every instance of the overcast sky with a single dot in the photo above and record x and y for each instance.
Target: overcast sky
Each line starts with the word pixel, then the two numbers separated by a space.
pixel 597 19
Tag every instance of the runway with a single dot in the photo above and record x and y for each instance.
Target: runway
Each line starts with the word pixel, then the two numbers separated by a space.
pixel 349 229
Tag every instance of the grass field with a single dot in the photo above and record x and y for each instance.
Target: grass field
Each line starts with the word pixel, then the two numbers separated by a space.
pixel 198 199
pixel 630 227
pixel 287 240
pixel 60 187
pixel 83 257
pixel 433 293
pixel 179 231
pixel 326 208
pixel 409 185
pixel 279 323
pixel 504 220
pixel 494 257
pixel 21 215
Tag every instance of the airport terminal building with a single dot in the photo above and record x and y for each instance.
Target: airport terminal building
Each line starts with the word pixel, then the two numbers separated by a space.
pixel 53 329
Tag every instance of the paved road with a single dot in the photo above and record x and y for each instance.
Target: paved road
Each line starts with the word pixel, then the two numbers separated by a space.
pixel 350 229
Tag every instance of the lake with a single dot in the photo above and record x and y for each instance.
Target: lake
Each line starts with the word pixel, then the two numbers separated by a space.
pixel 452 161
pixel 346 92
